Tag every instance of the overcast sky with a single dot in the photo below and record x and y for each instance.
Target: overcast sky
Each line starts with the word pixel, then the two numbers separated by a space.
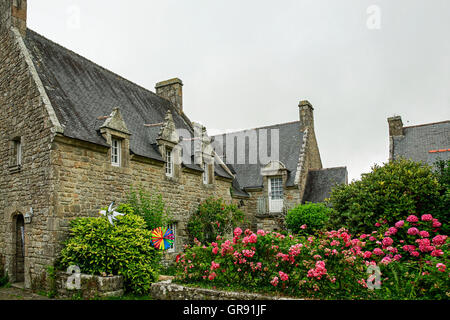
pixel 247 63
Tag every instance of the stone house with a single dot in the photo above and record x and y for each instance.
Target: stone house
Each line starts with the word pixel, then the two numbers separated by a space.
pixel 427 143
pixel 75 136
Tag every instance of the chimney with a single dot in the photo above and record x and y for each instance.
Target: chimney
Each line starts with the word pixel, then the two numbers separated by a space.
pixel 395 126
pixel 306 115
pixel 13 13
pixel 171 90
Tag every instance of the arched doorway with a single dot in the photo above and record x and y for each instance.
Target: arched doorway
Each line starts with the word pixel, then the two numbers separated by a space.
pixel 20 249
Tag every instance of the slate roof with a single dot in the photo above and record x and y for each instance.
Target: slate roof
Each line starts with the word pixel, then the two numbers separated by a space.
pixel 320 182
pixel 81 91
pixel 249 175
pixel 417 142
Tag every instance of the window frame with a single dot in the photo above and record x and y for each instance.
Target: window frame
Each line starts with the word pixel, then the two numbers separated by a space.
pixel 118 149
pixel 173 227
pixel 169 163
pixel 205 175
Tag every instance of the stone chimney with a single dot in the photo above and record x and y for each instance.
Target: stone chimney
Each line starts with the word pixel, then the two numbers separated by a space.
pixel 306 115
pixel 395 126
pixel 13 13
pixel 171 90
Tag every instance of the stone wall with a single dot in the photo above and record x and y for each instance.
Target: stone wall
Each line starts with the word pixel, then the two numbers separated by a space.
pixel 90 286
pixel 23 115
pixel 85 181
pixel 166 290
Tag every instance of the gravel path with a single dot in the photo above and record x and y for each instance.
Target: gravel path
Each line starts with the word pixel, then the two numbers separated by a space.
pixel 19 294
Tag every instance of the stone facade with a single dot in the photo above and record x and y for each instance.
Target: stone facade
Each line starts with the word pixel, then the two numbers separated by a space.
pixel 24 115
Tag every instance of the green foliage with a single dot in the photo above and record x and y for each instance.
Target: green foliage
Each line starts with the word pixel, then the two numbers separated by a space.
pixel 125 249
pixel 212 218
pixel 388 192
pixel 313 215
pixel 4 278
pixel 149 206
pixel 442 211
pixel 51 275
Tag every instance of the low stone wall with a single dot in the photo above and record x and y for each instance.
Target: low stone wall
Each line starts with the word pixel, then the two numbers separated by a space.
pixel 90 286
pixel 166 290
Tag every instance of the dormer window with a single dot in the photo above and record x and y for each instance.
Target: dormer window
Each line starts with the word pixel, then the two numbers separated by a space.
pixel 205 173
pixel 116 150
pixel 169 162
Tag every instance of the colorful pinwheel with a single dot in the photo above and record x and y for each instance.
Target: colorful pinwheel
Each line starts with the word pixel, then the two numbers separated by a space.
pixel 162 238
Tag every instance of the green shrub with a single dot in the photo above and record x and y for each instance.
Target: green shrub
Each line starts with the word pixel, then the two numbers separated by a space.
pixel 212 218
pixel 149 206
pixel 441 211
pixel 313 215
pixel 388 192
pixel 124 249
pixel 4 279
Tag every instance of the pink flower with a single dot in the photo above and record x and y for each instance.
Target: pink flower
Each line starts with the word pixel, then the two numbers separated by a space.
pixel 274 281
pixel 377 224
pixel 412 218
pixel 386 260
pixel 387 241
pixel 413 231
pixel 437 253
pixel 372 238
pixel 248 253
pixel 427 217
pixel 441 267
pixel 399 224
pixel 260 233
pixel 424 234
pixel 414 253
pixel 367 254
pixel 436 223
pixel 303 227
pixel 378 252
pixel 214 244
pixel 212 276
pixel 237 232
pixel 214 265
pixel 283 276
pixel 392 230
pixel 439 240
pixel 215 250
pixel 397 257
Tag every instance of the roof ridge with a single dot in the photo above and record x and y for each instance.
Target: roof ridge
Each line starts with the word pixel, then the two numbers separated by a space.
pixel 263 127
pixel 331 168
pixel 94 63
pixel 426 124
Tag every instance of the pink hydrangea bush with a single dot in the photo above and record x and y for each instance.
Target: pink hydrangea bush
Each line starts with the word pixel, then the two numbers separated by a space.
pixel 330 264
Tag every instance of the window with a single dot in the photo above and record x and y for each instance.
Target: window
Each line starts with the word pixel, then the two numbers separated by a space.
pixel 205 173
pixel 173 227
pixel 169 163
pixel 18 152
pixel 276 194
pixel 276 188
pixel 115 152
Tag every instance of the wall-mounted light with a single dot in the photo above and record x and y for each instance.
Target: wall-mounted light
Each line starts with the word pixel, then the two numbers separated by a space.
pixel 28 215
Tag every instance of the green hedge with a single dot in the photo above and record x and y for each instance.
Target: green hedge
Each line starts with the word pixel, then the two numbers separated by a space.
pixel 387 193
pixel 313 215
pixel 124 249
